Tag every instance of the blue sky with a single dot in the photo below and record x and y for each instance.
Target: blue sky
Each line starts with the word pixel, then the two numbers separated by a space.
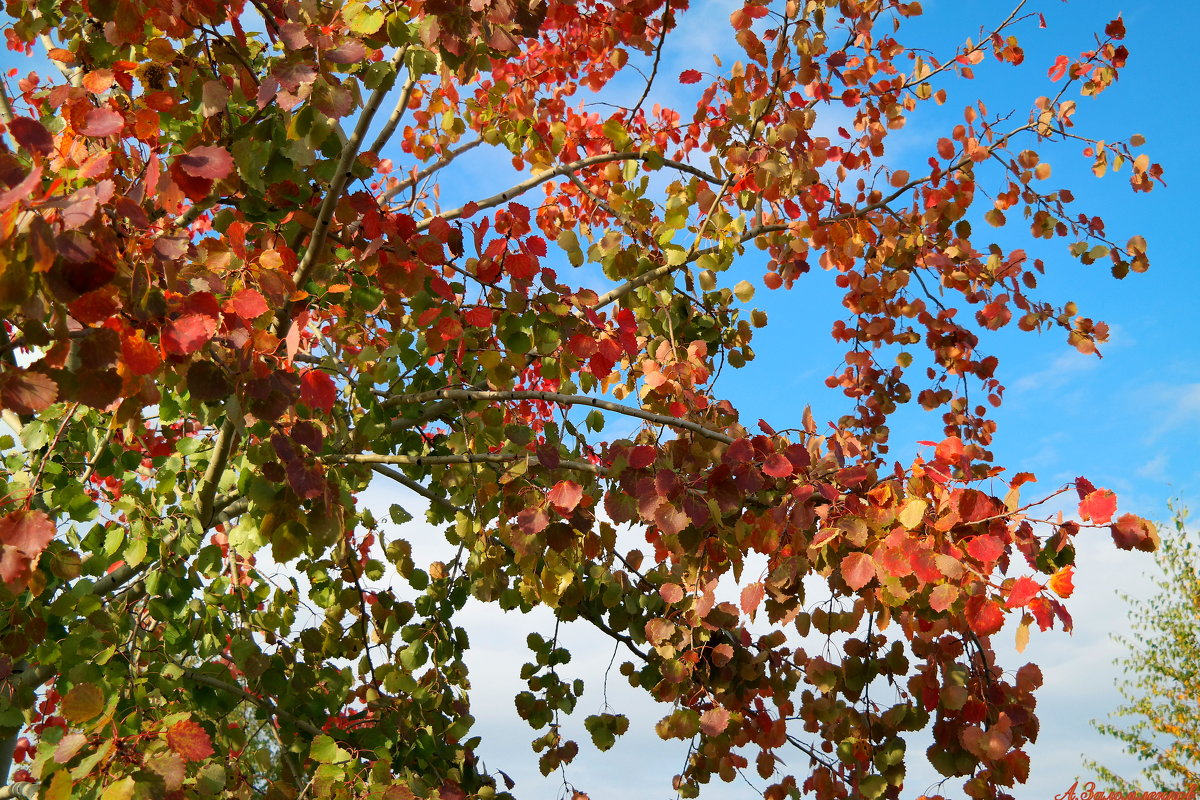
pixel 1127 421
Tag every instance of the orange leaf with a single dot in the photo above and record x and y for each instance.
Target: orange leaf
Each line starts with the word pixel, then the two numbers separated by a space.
pixel 189 740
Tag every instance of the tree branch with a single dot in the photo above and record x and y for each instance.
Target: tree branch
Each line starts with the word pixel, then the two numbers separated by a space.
pixel 565 399
pixel 320 232
pixel 462 458
pixel 207 489
pixel 557 172
pixel 402 479
pixel 446 158
pixel 397 114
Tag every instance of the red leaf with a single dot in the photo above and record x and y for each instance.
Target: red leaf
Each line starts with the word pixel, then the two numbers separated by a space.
pixel 102 122
pixel 714 721
pixel 1084 487
pixel 1099 506
pixel 478 317
pixel 1134 533
pixel 642 456
pixel 15 569
pixel 28 531
pixel 565 496
pixel 689 76
pixel 1023 590
pixel 1115 29
pixel 27 392
pixel 752 596
pixel 317 390
pixel 209 162
pixel 189 740
pixel 248 304
pixel 32 135
pixel 985 548
pixel 858 569
pixel 777 466
pixel 1060 68
pixel 984 615
pixel 187 334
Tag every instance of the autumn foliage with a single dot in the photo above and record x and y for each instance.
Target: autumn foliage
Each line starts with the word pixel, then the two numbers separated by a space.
pixel 236 289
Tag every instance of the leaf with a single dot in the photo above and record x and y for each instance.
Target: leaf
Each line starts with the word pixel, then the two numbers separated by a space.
pixel 950 450
pixel 984 615
pixel 317 390
pixel 1062 581
pixel 1059 69
pixel 27 392
pixel 690 76
pixel 564 496
pixel 1023 590
pixel 858 569
pixel 170 767
pixel 1131 532
pixel 752 596
pixel 186 334
pixel 671 593
pixel 101 122
pixel 213 163
pixel 943 596
pixel 68 746
pixel 138 355
pixel 985 549
pixel 744 291
pixel 121 790
pixel 1099 506
pixel 32 135
pixel 642 456
pixel 248 304
pixel 714 721
pixel 27 530
pixel 777 465
pixel 189 739
pixel 1022 638
pixel 913 513
pixel 84 702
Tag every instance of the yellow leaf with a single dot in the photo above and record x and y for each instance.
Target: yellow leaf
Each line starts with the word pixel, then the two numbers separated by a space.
pixel 913 512
pixel 1022 636
pixel 744 291
pixel 82 703
pixel 121 790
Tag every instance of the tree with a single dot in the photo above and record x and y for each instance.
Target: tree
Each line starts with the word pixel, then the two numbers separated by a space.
pixel 1161 680
pixel 233 297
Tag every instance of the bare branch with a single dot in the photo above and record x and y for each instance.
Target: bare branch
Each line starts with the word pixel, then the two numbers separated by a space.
pixel 397 114
pixel 404 480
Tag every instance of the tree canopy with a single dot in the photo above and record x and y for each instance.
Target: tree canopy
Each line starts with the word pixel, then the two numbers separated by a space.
pixel 243 274
pixel 1160 723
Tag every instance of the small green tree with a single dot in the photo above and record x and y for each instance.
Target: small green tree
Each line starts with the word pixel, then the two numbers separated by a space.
pixel 1160 721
